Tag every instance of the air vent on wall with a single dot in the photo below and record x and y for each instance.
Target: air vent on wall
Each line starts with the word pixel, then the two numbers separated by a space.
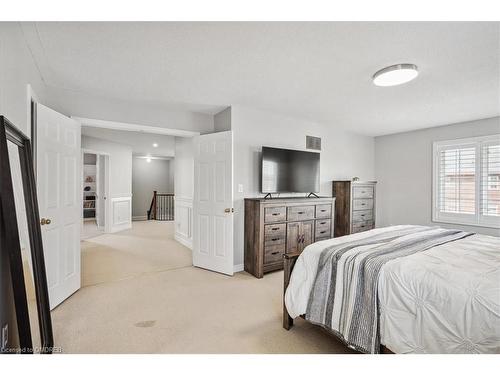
pixel 313 143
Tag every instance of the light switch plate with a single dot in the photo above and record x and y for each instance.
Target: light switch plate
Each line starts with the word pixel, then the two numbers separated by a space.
pixel 240 188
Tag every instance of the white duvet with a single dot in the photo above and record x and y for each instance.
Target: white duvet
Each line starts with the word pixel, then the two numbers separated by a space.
pixel 442 300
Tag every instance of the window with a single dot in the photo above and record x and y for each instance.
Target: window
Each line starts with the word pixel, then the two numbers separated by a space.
pixel 466 184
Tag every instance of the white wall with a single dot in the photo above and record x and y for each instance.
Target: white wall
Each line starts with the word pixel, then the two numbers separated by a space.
pixel 343 156
pixel 171 175
pixel 120 160
pixel 141 143
pixel 184 168
pixel 120 180
pixel 222 120
pixel 403 164
pixel 146 178
pixel 17 70
pixel 102 108
pixel 184 189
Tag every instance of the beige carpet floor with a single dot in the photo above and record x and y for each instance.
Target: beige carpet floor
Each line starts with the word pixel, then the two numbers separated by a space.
pixel 142 295
pixel 148 247
pixel 90 229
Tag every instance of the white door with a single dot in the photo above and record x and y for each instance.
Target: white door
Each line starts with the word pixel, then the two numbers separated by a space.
pixel 213 201
pixel 97 191
pixel 100 191
pixel 59 199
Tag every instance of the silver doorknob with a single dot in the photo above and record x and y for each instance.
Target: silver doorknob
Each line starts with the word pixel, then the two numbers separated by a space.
pixel 45 221
pixel 228 210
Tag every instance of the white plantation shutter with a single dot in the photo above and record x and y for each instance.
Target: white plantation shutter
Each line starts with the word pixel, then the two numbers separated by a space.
pixel 466 184
pixel 457 180
pixel 490 179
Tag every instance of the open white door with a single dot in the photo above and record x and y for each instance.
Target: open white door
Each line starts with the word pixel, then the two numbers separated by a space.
pixel 58 184
pixel 100 191
pixel 213 201
pixel 97 192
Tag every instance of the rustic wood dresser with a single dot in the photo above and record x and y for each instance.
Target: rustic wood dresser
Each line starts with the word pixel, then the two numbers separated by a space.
pixel 354 206
pixel 278 226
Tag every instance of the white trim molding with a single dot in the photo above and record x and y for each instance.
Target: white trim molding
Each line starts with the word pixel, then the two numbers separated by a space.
pixel 125 126
pixel 238 268
pixel 183 215
pixel 121 213
pixel 186 242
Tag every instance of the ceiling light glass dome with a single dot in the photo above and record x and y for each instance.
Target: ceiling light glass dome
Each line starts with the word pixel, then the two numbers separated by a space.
pixel 395 75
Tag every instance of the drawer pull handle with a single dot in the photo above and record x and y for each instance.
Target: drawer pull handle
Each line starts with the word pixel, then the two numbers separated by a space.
pixel 363 204
pixel 275 228
pixel 363 215
pixel 275 239
pixel 275 252
pixel 322 223
pixel 323 210
pixel 324 231
pixel 300 212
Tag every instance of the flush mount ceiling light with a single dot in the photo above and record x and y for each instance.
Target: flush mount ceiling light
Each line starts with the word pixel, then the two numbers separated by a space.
pixel 155 144
pixel 395 75
pixel 148 159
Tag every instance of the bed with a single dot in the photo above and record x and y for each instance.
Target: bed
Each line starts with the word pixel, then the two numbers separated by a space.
pixel 438 292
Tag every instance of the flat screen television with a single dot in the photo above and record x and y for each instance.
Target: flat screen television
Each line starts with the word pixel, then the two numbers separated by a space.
pixel 289 171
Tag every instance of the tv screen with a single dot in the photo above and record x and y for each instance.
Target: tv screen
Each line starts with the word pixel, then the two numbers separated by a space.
pixel 289 171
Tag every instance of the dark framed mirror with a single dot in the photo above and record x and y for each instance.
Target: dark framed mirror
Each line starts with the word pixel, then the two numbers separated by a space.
pixel 24 313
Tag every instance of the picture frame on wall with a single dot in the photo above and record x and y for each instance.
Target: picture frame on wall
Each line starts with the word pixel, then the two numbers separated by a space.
pixel 24 300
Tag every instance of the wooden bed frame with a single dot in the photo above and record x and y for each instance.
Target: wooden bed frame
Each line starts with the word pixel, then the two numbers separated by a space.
pixel 288 264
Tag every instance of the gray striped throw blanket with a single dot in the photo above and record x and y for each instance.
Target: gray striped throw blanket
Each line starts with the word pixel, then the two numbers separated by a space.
pixel 344 295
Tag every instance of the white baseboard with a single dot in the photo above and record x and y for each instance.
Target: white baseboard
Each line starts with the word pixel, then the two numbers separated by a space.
pixel 139 218
pixel 184 241
pixel 238 268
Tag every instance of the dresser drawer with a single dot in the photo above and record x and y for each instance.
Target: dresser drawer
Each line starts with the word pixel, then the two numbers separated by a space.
pixel 324 223
pixel 322 233
pixel 362 192
pixel 274 234
pixel 362 215
pixel 323 211
pixel 318 238
pixel 362 226
pixel 323 229
pixel 362 204
pixel 300 213
pixel 272 214
pixel 273 253
pixel 274 239
pixel 275 229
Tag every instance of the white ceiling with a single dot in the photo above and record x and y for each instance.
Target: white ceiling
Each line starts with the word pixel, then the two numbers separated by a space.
pixel 141 143
pixel 319 71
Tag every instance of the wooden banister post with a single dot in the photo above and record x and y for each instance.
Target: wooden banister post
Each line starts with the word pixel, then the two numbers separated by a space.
pixel 154 204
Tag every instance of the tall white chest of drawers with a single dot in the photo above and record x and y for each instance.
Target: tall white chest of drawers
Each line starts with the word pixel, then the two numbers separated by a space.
pixel 355 203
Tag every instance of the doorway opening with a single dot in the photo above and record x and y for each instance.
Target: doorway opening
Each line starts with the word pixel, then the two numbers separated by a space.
pixel 94 193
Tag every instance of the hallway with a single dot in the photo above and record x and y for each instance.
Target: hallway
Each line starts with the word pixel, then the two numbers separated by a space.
pixel 148 247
